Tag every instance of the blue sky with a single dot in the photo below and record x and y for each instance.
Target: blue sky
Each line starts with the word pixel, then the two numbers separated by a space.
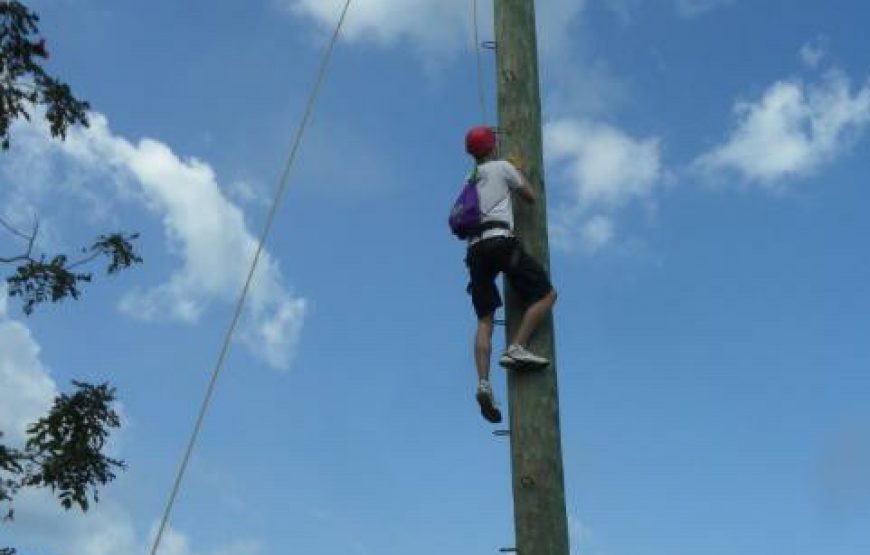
pixel 706 182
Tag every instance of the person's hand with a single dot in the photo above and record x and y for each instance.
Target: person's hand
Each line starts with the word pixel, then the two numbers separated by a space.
pixel 518 161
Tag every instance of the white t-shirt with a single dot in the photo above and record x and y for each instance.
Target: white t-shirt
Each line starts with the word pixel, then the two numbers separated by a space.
pixel 495 180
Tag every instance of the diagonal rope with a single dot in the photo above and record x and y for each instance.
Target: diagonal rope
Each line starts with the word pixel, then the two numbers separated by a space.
pixel 476 38
pixel 282 186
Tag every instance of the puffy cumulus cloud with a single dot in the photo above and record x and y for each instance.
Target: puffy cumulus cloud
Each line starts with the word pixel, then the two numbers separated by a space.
pixel 203 228
pixel 41 525
pixel 433 23
pixel 106 529
pixel 436 25
pixel 571 228
pixel 26 389
pixel 274 321
pixel 792 130
pixel 604 165
pixel 603 169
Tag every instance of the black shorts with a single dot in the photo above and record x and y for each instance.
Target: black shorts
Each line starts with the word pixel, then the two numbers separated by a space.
pixel 487 258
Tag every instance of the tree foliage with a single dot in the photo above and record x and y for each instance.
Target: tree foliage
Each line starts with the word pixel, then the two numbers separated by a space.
pixel 24 84
pixel 63 451
pixel 37 280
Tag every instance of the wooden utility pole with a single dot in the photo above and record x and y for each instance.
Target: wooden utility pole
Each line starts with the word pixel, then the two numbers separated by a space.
pixel 540 517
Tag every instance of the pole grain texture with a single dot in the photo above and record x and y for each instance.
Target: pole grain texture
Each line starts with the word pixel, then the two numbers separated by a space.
pixel 540 516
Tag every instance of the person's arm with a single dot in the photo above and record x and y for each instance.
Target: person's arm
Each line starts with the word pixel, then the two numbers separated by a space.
pixel 527 193
pixel 520 183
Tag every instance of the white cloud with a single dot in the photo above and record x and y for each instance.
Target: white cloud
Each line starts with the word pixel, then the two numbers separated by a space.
pixel 246 192
pixel 597 232
pixel 813 52
pixel 691 8
pixel 604 169
pixel 203 228
pixel 40 523
pixel 26 393
pixel 26 389
pixel 106 529
pixel 604 165
pixel 792 130
pixel 571 228
pixel 435 25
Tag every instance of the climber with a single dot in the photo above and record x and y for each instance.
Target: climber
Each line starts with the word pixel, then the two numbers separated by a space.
pixel 483 215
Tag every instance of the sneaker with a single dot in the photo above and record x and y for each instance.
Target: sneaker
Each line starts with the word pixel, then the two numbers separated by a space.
pixel 518 357
pixel 488 408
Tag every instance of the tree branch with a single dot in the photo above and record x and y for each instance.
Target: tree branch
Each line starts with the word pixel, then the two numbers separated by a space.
pixel 93 256
pixel 41 280
pixel 11 229
pixel 31 239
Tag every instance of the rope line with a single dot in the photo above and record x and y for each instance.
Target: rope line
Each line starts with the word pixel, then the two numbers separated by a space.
pixel 476 38
pixel 279 194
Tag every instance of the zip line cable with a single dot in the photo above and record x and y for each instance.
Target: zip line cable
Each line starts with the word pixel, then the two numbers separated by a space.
pixel 476 38
pixel 279 194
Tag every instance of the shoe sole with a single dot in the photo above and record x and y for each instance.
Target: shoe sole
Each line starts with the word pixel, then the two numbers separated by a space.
pixel 514 364
pixel 487 409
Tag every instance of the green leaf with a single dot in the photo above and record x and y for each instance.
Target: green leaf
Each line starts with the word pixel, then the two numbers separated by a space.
pixel 65 448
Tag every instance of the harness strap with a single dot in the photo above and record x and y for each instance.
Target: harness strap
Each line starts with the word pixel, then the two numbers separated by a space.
pixel 486 226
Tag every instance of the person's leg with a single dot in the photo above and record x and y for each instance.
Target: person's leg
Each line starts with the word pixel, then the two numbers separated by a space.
pixel 530 281
pixel 486 299
pixel 483 346
pixel 482 354
pixel 533 317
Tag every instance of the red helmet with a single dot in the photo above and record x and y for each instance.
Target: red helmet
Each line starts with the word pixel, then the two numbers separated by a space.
pixel 480 141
